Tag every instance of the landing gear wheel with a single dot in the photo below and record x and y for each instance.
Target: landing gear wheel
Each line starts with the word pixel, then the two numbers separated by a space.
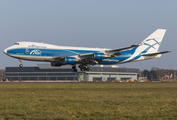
pixel 21 65
pixel 88 69
pixel 74 68
pixel 84 67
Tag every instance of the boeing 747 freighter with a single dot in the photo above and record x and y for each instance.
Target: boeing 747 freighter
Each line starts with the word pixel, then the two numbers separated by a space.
pixel 63 55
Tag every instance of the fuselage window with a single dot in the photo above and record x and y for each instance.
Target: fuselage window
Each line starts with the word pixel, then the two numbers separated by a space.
pixel 16 43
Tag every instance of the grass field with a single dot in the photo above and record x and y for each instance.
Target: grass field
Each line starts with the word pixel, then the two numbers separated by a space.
pixel 42 85
pixel 114 103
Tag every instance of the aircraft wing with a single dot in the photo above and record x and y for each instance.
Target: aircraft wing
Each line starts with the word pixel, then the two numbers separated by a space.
pixel 107 53
pixel 110 53
pixel 59 57
pixel 84 56
pixel 120 49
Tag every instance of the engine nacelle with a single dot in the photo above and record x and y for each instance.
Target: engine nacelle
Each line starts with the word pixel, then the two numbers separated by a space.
pixel 70 60
pixel 56 64
pixel 98 56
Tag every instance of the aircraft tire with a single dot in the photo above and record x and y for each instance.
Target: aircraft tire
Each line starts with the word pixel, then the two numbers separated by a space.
pixel 21 65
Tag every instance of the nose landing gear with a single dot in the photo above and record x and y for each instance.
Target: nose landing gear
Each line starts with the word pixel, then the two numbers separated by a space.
pixel 21 65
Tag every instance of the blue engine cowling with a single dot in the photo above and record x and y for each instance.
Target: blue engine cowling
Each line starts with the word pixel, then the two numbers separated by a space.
pixel 98 56
pixel 70 60
pixel 56 64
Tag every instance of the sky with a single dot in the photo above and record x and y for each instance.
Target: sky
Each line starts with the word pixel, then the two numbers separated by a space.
pixel 93 23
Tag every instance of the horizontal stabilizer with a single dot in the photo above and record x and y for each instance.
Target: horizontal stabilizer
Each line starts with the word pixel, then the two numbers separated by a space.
pixel 156 53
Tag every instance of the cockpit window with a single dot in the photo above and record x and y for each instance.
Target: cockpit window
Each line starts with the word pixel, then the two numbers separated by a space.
pixel 16 43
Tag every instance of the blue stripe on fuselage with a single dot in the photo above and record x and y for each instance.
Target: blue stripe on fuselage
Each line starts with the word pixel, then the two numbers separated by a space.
pixel 47 52
pixel 68 52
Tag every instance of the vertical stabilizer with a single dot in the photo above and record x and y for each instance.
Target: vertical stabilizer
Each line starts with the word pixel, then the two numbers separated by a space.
pixel 152 42
pixel 148 46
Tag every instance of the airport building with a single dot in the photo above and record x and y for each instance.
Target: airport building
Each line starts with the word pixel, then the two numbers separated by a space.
pixel 66 74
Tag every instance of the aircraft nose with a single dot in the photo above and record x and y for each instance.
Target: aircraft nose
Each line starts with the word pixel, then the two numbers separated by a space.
pixel 5 51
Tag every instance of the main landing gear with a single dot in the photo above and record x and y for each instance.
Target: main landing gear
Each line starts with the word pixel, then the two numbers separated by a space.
pixel 21 65
pixel 84 67
pixel 74 68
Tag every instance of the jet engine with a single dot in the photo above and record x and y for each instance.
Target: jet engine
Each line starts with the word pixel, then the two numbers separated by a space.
pixel 69 60
pixel 56 64
pixel 98 56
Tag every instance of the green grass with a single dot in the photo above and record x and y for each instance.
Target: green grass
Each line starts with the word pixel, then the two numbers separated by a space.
pixel 133 103
pixel 86 84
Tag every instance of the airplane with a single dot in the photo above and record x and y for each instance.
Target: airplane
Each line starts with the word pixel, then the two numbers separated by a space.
pixel 65 55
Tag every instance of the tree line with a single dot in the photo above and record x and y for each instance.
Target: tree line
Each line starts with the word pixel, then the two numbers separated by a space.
pixel 158 74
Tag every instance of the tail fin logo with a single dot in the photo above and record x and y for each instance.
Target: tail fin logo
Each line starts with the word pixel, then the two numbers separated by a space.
pixel 152 43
